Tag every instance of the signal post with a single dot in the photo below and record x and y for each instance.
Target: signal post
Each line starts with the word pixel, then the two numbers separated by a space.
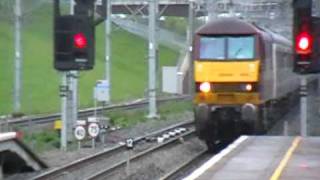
pixel 306 32
pixel 73 50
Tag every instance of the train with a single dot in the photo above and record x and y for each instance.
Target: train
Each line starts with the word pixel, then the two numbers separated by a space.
pixel 243 79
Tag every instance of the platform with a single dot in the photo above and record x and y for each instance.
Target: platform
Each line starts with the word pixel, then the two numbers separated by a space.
pixel 16 157
pixel 264 157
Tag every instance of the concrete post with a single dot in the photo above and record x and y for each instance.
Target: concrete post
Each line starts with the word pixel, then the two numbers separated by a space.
pixel 153 6
pixel 72 97
pixel 303 106
pixel 189 44
pixel 18 58
pixel 64 91
pixel 108 29
pixel 210 8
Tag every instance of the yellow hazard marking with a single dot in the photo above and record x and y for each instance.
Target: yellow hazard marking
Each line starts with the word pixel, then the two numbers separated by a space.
pixel 277 173
pixel 57 124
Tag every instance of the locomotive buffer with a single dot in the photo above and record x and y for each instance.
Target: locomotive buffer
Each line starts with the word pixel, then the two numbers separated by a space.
pixel 261 158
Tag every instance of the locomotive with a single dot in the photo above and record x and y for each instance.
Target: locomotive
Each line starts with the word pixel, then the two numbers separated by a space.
pixel 243 79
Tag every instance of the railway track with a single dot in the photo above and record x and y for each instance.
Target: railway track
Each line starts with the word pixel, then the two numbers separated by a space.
pixel 85 113
pixel 105 161
pixel 135 159
pixel 194 162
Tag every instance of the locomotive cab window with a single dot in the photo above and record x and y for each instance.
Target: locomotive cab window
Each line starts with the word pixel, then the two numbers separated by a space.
pixel 212 48
pixel 227 47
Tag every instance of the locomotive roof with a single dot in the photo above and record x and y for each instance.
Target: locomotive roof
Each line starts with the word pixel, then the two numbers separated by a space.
pixel 237 26
pixel 228 26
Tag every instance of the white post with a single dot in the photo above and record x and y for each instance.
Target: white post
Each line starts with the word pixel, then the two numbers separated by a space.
pixel 74 87
pixel 18 58
pixel 108 46
pixel 74 98
pixel 153 6
pixel 303 106
pixel 211 9
pixel 285 128
pixel 189 44
pixel 72 7
pixel 64 93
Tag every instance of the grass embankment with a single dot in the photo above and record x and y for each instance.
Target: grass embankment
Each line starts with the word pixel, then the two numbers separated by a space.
pixel 40 89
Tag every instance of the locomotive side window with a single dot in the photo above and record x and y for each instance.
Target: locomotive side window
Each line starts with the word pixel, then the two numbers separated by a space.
pixel 241 47
pixel 212 48
pixel 227 47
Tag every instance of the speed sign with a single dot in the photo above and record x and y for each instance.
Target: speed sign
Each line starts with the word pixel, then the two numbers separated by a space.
pixel 80 133
pixel 93 129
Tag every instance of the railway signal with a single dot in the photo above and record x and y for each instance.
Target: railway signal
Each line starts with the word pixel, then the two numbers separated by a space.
pixel 304 43
pixel 305 35
pixel 80 41
pixel 74 38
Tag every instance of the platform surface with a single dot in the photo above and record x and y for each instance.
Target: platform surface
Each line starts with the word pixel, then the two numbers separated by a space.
pixel 264 157
pixel 16 157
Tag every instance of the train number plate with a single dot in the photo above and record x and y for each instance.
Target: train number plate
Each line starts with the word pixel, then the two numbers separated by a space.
pixel 225 97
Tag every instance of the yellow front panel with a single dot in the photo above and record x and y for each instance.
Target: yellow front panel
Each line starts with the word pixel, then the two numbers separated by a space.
pixel 226 71
pixel 236 98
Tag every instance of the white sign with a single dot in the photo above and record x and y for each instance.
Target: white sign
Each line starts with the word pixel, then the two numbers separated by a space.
pixel 129 143
pixel 93 130
pixel 101 91
pixel 80 133
pixel 170 79
pixel 81 122
pixel 92 119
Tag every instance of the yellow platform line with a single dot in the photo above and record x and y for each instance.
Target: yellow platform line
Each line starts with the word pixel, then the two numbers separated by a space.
pixel 277 173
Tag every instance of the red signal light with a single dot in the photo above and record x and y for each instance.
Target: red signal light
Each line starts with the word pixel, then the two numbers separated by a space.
pixel 303 43
pixel 80 41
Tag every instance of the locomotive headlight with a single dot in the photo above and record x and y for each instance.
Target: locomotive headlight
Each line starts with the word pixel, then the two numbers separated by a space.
pixel 249 87
pixel 205 87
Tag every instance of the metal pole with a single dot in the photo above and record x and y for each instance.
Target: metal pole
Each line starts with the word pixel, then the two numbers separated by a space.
pixel 189 44
pixel 285 128
pixel 74 99
pixel 156 41
pixel 153 5
pixel 93 141
pixel 108 46
pixel 303 106
pixel 71 6
pixel 231 11
pixel 18 58
pixel 128 163
pixel 95 113
pixel 210 8
pixel 70 106
pixel 63 91
pixel 73 113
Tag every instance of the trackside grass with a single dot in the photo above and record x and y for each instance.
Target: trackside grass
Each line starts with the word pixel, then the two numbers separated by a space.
pixel 42 141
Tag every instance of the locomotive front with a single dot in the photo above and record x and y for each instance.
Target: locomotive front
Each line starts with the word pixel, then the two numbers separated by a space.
pixel 227 61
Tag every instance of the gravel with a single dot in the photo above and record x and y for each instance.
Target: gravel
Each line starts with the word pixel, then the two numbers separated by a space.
pixel 156 165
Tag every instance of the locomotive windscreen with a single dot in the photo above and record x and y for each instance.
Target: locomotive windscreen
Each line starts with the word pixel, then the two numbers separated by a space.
pixel 227 47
